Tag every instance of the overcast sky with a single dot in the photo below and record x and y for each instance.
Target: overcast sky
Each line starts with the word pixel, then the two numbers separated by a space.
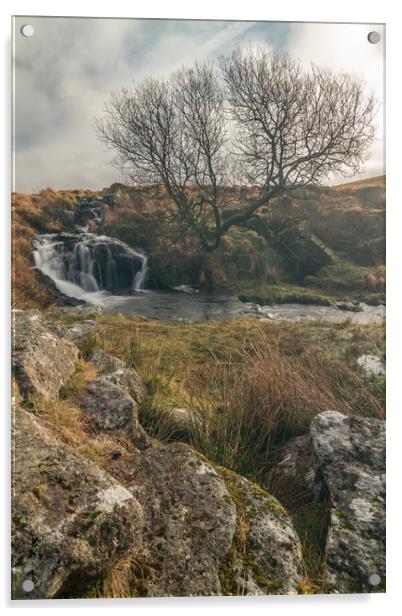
pixel 66 71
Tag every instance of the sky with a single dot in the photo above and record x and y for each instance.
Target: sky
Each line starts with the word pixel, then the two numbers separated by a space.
pixel 65 72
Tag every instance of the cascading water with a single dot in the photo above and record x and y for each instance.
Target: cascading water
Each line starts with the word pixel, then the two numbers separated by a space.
pixel 140 277
pixel 89 267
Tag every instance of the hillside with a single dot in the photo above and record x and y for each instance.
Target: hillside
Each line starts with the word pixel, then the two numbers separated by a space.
pixel 324 244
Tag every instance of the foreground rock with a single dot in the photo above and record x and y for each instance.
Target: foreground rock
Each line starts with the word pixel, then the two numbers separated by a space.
pixel 105 363
pixel 110 408
pixel 42 361
pixel 265 556
pixel 130 381
pixel 116 371
pixel 350 462
pixel 195 520
pixel 190 521
pixel 71 520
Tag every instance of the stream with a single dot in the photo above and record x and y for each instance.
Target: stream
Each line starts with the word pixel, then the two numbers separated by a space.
pixel 100 270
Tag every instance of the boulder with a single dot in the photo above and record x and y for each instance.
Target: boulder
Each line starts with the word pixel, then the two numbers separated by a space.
pixel 190 521
pixel 42 361
pixel 110 408
pixel 266 556
pixel 105 363
pixel 209 531
pixel 182 419
pixel 71 521
pixel 350 467
pixel 86 335
pixel 371 365
pixel 130 381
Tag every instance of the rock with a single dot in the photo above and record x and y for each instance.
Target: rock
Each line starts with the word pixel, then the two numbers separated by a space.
pixel 209 531
pixel 186 288
pixel 130 381
pixel 371 365
pixel 350 306
pixel 105 363
pixel 350 463
pixel 190 521
pixel 266 556
pixel 178 422
pixel 54 292
pixel 71 521
pixel 42 361
pixel 110 408
pixel 86 335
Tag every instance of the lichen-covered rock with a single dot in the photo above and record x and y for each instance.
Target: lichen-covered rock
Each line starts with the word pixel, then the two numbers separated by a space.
pixel 42 361
pixel 86 335
pixel 110 408
pixel 105 363
pixel 129 380
pixel 190 521
pixel 209 531
pixel 350 462
pixel 266 556
pixel 71 521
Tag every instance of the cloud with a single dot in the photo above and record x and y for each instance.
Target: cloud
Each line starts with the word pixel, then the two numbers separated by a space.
pixel 66 71
pixel 344 47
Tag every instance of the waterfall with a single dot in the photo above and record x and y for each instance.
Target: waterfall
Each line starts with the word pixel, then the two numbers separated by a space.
pixel 139 278
pixel 96 215
pixel 89 267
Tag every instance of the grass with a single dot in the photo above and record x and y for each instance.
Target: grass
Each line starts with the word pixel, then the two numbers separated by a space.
pixel 285 293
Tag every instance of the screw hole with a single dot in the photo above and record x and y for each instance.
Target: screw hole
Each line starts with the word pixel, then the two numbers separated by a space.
pixel 374 579
pixel 374 37
pixel 27 30
pixel 28 585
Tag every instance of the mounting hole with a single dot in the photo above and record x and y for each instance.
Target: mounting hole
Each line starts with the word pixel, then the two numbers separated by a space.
pixel 374 579
pixel 374 37
pixel 27 30
pixel 28 585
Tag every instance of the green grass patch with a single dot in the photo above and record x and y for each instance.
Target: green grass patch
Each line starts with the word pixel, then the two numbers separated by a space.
pixel 285 294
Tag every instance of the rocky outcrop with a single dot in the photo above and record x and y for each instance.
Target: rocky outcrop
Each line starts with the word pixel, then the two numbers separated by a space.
pixel 71 520
pixel 42 361
pixel 350 466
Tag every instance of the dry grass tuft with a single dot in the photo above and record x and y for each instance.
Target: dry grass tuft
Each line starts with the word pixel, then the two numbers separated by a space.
pixel 265 397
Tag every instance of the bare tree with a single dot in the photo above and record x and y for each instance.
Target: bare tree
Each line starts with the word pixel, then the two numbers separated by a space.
pixel 174 132
pixel 257 119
